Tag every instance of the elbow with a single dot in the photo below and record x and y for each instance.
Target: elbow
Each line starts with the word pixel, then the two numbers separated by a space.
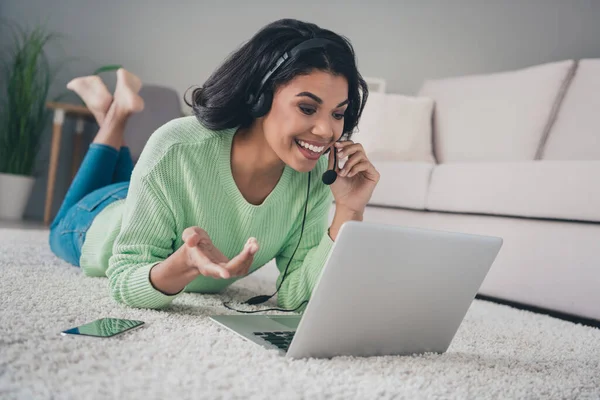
pixel 298 305
pixel 130 286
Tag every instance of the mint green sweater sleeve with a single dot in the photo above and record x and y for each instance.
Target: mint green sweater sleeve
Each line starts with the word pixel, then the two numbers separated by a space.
pixel 146 238
pixel 312 253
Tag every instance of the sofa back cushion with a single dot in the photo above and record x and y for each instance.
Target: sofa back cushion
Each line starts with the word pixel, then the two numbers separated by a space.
pixel 496 117
pixel 575 134
pixel 395 127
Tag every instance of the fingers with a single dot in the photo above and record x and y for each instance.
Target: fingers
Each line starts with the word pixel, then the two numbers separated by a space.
pixel 363 166
pixel 240 264
pixel 357 160
pixel 195 236
pixel 188 236
pixel 209 260
pixel 354 160
pixel 192 235
pixel 205 265
pixel 215 271
pixel 355 153
pixel 343 144
pixel 192 240
pixel 369 171
pixel 348 147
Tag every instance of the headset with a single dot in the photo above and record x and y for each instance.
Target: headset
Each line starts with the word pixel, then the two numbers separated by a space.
pixel 260 104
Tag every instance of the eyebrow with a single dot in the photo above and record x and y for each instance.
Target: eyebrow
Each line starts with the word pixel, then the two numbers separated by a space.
pixel 318 99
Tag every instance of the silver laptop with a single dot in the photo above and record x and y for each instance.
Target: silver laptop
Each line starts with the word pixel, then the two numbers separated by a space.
pixel 384 290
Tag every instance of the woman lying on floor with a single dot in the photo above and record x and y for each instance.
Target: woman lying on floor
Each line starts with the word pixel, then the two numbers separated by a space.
pixel 217 195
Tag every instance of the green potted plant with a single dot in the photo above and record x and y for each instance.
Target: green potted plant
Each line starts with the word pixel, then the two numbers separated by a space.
pixel 26 76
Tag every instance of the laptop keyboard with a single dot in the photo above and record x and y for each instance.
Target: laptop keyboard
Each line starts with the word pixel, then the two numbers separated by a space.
pixel 281 339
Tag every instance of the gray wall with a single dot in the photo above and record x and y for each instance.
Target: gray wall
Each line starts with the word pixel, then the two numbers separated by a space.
pixel 179 43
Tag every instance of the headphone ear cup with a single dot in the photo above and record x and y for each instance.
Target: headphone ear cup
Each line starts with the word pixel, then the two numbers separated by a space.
pixel 262 105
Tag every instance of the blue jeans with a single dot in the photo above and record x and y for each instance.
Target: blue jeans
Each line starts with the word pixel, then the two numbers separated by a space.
pixel 102 179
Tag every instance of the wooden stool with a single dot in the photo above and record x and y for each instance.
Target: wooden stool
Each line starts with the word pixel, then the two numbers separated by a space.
pixel 60 110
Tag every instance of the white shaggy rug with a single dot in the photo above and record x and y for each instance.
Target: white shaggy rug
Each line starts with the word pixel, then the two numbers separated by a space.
pixel 498 352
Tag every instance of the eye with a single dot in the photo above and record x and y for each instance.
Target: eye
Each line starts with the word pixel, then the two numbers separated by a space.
pixel 307 110
pixel 338 116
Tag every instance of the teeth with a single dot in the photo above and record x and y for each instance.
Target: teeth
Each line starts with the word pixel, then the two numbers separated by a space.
pixel 312 148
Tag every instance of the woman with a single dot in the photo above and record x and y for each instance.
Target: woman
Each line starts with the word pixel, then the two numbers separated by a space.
pixel 219 194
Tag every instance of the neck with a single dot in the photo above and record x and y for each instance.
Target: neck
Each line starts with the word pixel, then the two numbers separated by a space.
pixel 251 156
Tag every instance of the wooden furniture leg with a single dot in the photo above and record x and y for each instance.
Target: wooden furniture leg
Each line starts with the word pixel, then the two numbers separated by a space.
pixel 77 147
pixel 59 117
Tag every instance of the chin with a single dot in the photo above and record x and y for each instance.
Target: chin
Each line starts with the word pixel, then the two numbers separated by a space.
pixel 302 167
pixel 305 168
pixel 301 164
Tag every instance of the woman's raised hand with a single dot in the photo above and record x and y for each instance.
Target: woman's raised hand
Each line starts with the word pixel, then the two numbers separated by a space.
pixel 202 255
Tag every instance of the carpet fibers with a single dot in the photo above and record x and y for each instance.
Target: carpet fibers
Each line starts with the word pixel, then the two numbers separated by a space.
pixel 498 352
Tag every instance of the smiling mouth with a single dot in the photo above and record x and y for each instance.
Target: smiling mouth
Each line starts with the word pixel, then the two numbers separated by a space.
pixel 308 153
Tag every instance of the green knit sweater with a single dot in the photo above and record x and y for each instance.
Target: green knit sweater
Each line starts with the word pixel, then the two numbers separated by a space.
pixel 183 178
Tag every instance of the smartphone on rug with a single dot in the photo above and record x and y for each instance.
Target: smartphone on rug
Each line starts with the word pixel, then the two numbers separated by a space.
pixel 104 327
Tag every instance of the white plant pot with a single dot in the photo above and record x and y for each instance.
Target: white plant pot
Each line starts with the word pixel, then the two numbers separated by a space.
pixel 14 194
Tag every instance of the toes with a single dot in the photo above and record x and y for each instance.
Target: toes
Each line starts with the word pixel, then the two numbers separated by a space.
pixel 126 92
pixel 131 81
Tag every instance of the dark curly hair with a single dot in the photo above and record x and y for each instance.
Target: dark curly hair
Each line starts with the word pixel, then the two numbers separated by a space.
pixel 221 102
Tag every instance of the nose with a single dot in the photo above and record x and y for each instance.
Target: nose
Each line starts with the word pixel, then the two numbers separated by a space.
pixel 324 129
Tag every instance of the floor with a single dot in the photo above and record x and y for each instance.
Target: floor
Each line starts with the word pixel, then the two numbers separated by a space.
pixel 498 351
pixel 24 224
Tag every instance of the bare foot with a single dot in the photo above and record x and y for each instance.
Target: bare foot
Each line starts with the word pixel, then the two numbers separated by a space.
pixel 126 92
pixel 94 94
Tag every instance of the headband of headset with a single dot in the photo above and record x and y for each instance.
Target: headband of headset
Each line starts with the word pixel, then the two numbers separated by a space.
pixel 306 45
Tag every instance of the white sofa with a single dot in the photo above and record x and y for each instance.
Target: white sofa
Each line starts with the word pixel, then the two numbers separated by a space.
pixel 517 155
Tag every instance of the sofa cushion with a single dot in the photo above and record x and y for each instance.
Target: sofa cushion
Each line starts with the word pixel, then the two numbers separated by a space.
pixel 539 189
pixel 402 184
pixel 576 131
pixel 394 127
pixel 495 117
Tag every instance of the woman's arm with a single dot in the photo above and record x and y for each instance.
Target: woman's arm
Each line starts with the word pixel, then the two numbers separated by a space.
pixel 174 274
pixel 315 246
pixel 146 239
pixel 342 215
pixel 199 256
